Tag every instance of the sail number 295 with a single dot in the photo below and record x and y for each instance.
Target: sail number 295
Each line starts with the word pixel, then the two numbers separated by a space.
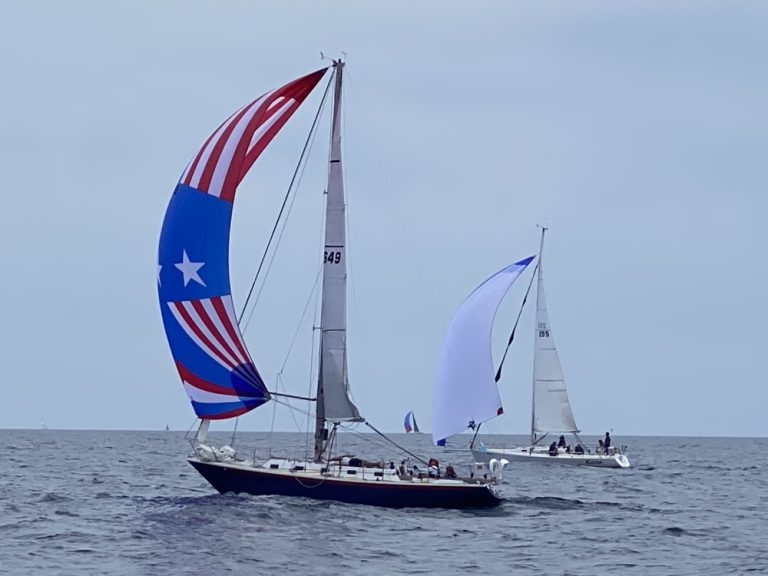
pixel 332 257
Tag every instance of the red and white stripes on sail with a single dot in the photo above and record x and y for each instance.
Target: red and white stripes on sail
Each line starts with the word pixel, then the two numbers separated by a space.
pixel 200 390
pixel 228 153
pixel 212 324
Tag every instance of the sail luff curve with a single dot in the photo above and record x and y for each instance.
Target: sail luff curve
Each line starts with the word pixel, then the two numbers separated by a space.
pixel 465 392
pixel 200 321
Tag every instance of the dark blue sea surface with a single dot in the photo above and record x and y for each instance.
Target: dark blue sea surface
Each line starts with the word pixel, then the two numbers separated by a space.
pixel 124 503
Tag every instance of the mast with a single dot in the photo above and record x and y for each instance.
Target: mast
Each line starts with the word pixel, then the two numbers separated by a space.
pixel 540 284
pixel 333 402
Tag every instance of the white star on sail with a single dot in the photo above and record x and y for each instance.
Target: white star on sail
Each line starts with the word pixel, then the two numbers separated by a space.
pixel 189 269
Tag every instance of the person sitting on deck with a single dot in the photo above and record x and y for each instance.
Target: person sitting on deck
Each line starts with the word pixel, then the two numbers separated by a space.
pixel 434 468
pixel 450 472
pixel 579 449
pixel 561 442
pixel 553 449
pixel 600 446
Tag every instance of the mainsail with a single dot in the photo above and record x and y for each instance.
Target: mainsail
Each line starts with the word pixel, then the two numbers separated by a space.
pixel 465 392
pixel 193 263
pixel 333 401
pixel 551 409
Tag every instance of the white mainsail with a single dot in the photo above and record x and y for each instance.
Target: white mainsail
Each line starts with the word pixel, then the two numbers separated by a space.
pixel 551 409
pixel 465 392
pixel 333 401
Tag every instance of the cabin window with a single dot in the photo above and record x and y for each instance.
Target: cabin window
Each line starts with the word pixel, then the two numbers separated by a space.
pixel 274 466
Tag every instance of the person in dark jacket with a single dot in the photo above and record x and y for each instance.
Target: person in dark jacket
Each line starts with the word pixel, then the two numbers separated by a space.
pixel 607 442
pixel 561 442
pixel 553 449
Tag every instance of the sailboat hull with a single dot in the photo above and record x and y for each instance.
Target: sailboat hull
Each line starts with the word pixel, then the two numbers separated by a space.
pixel 225 477
pixel 539 455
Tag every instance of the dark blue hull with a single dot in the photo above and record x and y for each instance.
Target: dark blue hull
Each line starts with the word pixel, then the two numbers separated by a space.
pixel 262 482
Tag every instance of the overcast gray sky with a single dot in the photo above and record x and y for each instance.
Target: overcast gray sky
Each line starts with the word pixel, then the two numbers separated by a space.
pixel 637 130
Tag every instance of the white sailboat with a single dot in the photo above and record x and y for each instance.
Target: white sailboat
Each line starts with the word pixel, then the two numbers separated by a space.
pixel 551 413
pixel 216 368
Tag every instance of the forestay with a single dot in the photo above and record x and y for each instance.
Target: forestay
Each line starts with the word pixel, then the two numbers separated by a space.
pixel 465 392
pixel 551 409
pixel 193 268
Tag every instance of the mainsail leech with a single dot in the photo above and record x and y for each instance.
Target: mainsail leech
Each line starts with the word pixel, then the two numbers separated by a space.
pixel 213 362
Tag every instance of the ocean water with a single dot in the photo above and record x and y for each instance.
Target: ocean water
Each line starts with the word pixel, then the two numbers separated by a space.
pixel 124 503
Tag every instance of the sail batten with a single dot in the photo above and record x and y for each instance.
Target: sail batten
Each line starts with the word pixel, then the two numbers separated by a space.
pixel 215 367
pixel 465 392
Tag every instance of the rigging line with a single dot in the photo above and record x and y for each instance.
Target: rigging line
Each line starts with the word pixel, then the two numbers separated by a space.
pixel 314 349
pixel 307 398
pixel 477 431
pixel 279 239
pixel 272 427
pixel 303 315
pixel 366 437
pixel 291 407
pixel 419 458
pixel 410 243
pixel 362 347
pixel 286 403
pixel 285 199
pixel 514 328
pixel 234 431
pixel 190 428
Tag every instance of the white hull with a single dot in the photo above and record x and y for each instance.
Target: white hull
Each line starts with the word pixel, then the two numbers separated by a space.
pixel 541 455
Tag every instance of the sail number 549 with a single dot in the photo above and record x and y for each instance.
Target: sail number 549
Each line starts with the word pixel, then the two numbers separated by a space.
pixel 332 257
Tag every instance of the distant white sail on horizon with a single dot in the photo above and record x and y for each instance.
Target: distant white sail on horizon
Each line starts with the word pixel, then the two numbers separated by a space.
pixel 465 392
pixel 551 408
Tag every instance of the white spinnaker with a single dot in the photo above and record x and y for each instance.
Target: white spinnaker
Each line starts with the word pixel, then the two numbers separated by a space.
pixel 465 390
pixel 551 409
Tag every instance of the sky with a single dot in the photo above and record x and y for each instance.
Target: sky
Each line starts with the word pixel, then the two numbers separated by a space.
pixel 638 131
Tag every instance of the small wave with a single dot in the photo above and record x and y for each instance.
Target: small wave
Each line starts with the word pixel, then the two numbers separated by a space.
pixel 654 510
pixel 674 531
pixel 551 502
pixel 53 497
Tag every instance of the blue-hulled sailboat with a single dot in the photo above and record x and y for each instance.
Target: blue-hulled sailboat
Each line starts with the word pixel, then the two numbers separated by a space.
pixel 215 366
